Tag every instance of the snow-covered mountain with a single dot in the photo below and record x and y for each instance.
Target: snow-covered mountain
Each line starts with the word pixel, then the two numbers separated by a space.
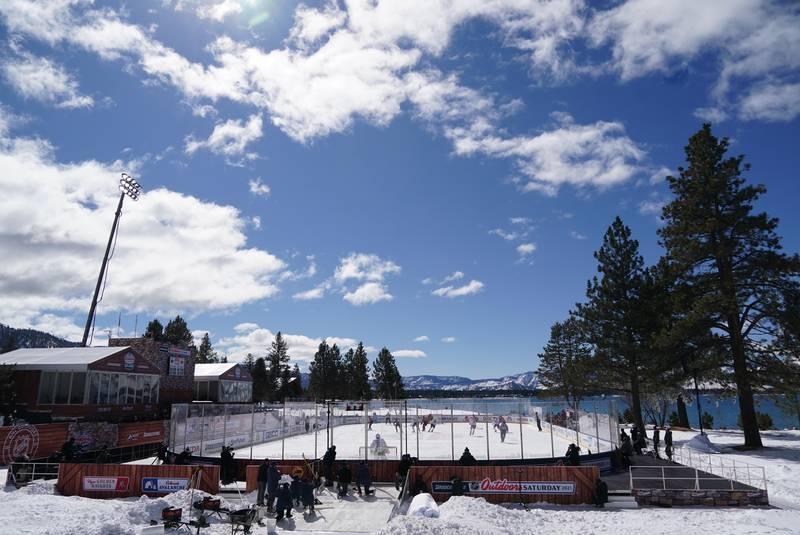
pixel 521 381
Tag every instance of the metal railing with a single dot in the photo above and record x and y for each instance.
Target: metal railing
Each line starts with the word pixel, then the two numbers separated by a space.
pixel 722 466
pixel 20 474
pixel 699 471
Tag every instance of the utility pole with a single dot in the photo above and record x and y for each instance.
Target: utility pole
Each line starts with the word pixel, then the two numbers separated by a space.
pixel 128 186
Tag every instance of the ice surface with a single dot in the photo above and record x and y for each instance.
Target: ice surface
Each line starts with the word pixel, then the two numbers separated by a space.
pixel 424 445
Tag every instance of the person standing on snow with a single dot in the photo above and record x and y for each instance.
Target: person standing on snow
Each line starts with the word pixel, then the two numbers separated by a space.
pixel 503 430
pixel 538 421
pixel 656 439
pixel 261 481
pixel 284 506
pixel 273 480
pixel 668 443
pixel 473 424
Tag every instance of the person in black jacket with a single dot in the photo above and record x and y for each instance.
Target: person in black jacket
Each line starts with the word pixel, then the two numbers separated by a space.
pixel 273 480
pixel 307 493
pixel 327 464
pixel 457 488
pixel 600 493
pixel 573 456
pixel 402 472
pixel 261 480
pixel 363 478
pixel 656 439
pixel 467 459
pixel 668 443
pixel 68 449
pixel 344 478
pixel 284 505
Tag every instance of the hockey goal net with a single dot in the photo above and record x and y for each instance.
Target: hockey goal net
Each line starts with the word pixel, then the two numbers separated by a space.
pixel 386 452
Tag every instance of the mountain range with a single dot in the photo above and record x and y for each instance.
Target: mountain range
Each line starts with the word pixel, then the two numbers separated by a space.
pixel 11 338
pixel 520 381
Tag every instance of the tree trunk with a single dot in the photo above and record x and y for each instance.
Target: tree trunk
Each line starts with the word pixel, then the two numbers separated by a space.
pixel 683 416
pixel 747 407
pixel 636 402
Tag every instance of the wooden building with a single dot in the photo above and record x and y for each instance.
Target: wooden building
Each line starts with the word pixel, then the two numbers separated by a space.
pixel 92 383
pixel 174 362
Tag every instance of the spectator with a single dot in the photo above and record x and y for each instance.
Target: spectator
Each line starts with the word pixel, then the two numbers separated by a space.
pixel 273 480
pixel 467 459
pixel 457 487
pixel 284 505
pixel 344 478
pixel 668 443
pixel 261 481
pixel 600 493
pixel 363 478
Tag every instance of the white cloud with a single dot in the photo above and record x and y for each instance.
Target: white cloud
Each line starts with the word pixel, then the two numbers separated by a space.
pixel 255 221
pixel 449 339
pixel 771 102
pixel 520 220
pixel 360 266
pixel 660 175
pixel 251 338
pixel 597 154
pixel 368 293
pixel 422 338
pixel 509 236
pixel 577 235
pixel 456 275
pixel 428 280
pixel 525 249
pixel 651 207
pixel 308 295
pixel 409 353
pixel 257 187
pixel 711 114
pixel 219 10
pixel 230 138
pixel 471 288
pixel 43 80
pixel 55 221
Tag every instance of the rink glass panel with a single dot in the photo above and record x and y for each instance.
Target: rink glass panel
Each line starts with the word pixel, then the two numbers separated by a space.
pixel 298 429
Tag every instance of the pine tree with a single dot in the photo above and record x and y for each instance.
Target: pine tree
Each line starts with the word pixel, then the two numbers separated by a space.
pixel 261 389
pixel 206 353
pixel 154 330
pixel 359 373
pixel 10 344
pixel 388 382
pixel 348 386
pixel 612 316
pixel 248 362
pixel 566 364
pixel 278 360
pixel 732 257
pixel 177 332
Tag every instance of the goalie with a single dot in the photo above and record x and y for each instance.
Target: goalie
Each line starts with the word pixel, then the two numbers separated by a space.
pixel 378 446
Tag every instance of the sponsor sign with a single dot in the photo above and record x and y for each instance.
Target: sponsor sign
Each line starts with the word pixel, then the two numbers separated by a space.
pixel 505 486
pixel 129 361
pixel 237 372
pixel 106 483
pixel 21 440
pixel 163 485
pixel 177 350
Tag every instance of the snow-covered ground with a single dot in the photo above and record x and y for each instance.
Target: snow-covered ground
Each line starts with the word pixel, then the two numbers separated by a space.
pixel 39 509
pixel 425 445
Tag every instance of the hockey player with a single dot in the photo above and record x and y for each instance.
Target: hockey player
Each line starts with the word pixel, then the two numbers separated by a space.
pixel 538 421
pixel 432 424
pixel 503 426
pixel 370 421
pixel 415 426
pixel 473 424
pixel 396 425
pixel 378 445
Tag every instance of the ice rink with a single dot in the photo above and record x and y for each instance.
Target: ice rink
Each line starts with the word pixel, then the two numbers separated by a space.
pixel 425 445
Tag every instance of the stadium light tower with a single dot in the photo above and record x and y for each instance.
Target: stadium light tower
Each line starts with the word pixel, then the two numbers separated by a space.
pixel 127 186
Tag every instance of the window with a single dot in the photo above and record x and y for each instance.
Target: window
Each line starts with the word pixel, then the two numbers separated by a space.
pixel 113 388
pixel 145 389
pixel 47 387
pixel 154 390
pixel 139 387
pixel 94 387
pixel 104 391
pixel 213 391
pixel 176 365
pixel 78 387
pixel 131 389
pixel 62 388
pixel 122 389
pixel 202 394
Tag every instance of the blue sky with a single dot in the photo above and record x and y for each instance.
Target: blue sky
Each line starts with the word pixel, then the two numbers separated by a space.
pixel 428 176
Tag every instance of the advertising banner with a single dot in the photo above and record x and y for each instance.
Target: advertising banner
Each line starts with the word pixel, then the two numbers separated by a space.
pixel 106 483
pixel 163 485
pixel 505 486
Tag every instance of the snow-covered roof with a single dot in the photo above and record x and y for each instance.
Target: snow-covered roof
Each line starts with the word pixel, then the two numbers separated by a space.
pixel 57 358
pixel 210 372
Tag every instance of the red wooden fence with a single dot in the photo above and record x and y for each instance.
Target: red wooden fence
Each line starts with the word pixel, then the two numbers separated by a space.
pixel 125 480
pixel 36 441
pixel 501 484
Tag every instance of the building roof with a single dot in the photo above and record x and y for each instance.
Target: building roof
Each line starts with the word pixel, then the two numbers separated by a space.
pixel 209 372
pixel 57 358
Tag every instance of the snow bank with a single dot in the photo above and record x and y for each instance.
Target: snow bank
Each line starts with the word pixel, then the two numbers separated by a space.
pixel 474 516
pixel 423 505
pixel 702 443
